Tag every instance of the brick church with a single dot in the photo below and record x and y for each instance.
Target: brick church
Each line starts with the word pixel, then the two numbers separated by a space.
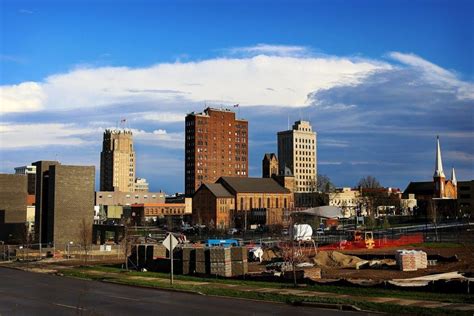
pixel 440 187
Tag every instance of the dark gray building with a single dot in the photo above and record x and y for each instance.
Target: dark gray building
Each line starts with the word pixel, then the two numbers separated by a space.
pixel 13 195
pixel 42 196
pixel 466 196
pixel 64 201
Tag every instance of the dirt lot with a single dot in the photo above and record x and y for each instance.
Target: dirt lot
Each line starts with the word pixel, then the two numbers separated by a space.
pixel 464 253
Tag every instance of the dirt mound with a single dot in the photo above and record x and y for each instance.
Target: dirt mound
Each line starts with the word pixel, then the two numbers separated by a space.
pixel 334 259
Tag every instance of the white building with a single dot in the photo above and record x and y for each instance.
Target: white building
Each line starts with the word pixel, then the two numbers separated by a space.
pixel 347 199
pixel 297 150
pixel 25 170
pixel 141 185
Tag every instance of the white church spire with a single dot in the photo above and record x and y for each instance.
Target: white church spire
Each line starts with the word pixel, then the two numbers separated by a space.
pixel 453 177
pixel 439 173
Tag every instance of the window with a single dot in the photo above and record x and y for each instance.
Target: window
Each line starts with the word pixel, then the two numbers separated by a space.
pixel 268 203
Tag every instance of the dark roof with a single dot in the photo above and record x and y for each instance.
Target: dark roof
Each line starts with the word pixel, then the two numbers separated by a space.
pixel 420 188
pixel 252 185
pixel 218 190
pixel 270 156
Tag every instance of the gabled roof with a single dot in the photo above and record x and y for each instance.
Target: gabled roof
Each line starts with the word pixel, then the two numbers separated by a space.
pixel 270 156
pixel 420 188
pixel 218 190
pixel 252 185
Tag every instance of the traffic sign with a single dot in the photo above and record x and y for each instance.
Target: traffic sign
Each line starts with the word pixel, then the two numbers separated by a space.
pixel 170 242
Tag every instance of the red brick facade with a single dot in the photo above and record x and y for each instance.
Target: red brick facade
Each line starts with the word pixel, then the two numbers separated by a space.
pixel 216 145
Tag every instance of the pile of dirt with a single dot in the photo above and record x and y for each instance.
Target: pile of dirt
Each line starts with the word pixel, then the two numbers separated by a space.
pixel 334 259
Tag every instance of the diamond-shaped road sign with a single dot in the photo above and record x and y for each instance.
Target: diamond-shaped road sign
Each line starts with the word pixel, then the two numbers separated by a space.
pixel 170 242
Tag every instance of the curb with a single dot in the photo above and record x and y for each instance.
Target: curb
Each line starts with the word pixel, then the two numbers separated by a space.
pixel 151 287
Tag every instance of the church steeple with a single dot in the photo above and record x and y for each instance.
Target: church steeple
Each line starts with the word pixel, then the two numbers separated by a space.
pixel 439 173
pixel 453 177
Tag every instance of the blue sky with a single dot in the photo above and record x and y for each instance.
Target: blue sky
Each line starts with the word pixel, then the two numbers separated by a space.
pixel 378 80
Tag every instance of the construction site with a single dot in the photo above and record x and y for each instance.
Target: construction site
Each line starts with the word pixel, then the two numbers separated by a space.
pixel 438 261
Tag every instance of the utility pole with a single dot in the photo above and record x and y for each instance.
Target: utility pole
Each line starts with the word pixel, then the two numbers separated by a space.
pixel 292 237
pixel 171 257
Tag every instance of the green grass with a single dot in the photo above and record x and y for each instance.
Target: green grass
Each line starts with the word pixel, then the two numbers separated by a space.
pixel 282 298
pixel 359 291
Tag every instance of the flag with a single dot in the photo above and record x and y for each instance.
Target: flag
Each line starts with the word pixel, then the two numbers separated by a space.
pixel 236 105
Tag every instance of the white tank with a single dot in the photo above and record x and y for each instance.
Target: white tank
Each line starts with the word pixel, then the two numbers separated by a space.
pixel 302 232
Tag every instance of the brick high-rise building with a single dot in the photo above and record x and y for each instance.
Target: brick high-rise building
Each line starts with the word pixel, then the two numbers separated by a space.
pixel 216 145
pixel 297 151
pixel 117 161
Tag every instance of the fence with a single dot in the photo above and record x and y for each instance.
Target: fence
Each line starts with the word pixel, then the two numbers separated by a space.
pixel 34 252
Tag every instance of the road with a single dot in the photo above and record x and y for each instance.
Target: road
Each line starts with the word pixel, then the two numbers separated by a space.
pixel 27 293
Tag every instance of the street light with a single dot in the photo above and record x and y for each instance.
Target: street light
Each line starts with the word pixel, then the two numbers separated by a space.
pixel 68 249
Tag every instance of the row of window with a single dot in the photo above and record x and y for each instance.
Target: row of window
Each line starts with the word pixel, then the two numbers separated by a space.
pixel 129 196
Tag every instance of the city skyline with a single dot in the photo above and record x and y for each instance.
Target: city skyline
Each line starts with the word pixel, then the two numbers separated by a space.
pixel 377 99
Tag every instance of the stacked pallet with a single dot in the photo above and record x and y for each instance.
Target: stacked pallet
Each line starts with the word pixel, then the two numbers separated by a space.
pixel 189 260
pixel 421 260
pixel 221 263
pixel 411 260
pixel 202 261
pixel 239 260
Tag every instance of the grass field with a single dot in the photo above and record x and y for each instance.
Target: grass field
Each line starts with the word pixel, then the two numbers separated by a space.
pixel 214 286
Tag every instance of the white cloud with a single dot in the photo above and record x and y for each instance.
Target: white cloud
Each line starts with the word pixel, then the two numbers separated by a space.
pixel 165 117
pixel 14 136
pixel 24 97
pixel 158 137
pixel 436 74
pixel 221 80
pixel 266 49
pixel 459 156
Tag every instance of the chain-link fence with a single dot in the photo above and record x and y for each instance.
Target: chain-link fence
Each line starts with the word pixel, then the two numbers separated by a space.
pixel 68 251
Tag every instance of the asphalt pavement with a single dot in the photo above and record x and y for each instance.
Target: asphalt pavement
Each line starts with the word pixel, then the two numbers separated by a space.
pixel 28 293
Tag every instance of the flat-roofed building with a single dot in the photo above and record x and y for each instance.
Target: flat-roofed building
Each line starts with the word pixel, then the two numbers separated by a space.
pixel 216 145
pixel 65 202
pixel 117 161
pixel 297 151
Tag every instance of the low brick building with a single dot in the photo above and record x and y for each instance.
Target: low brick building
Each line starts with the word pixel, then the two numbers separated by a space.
pixel 240 202
pixel 152 211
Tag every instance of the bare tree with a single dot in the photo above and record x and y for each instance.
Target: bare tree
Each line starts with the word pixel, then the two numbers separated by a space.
pixel 85 235
pixel 433 215
pixel 368 182
pixel 324 184
pixel 127 242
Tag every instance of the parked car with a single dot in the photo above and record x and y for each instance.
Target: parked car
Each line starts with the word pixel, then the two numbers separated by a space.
pixel 233 231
